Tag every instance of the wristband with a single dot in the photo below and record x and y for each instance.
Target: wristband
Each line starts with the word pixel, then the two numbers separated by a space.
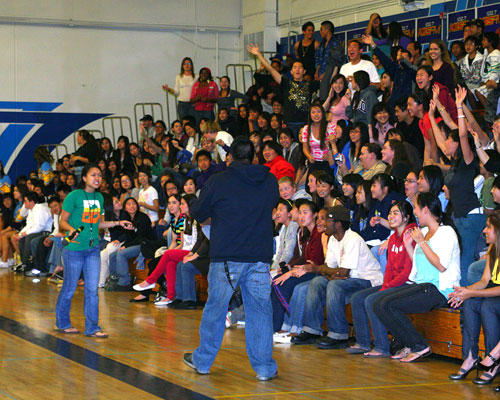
pixel 461 116
pixel 459 108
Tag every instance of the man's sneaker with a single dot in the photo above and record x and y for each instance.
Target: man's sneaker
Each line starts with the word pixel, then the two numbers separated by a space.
pixel 228 319
pixel 4 265
pixel 267 378
pixel 19 268
pixel 283 338
pixel 159 297
pixel 188 360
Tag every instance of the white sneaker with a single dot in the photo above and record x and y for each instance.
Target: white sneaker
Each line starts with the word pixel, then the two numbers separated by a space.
pixel 11 262
pixel 163 303
pixel 240 323
pixel 4 264
pixel 139 288
pixel 282 338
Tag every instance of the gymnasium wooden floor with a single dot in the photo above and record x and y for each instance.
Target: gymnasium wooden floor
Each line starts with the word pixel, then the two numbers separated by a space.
pixel 142 359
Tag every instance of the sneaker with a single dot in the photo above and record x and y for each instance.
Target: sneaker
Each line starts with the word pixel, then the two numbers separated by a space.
pixel 54 279
pixel 240 323
pixel 188 360
pixel 267 378
pixel 35 273
pixel 11 262
pixel 163 303
pixel 228 319
pixel 4 265
pixel 159 297
pixel 282 338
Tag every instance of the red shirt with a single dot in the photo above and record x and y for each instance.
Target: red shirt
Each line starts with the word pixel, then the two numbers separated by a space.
pixel 210 91
pixel 425 124
pixel 399 263
pixel 280 167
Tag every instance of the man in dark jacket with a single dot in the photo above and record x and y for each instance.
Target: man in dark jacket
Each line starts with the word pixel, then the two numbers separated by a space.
pixel 239 202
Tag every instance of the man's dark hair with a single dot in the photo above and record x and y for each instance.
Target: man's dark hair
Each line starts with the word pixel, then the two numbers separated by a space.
pixel 54 198
pixel 203 153
pixel 255 107
pixel 402 103
pixel 242 150
pixel 328 25
pixel 31 196
pixel 174 122
pixel 189 118
pixel 307 25
pixel 492 37
pixel 375 149
pixel 417 46
pixel 273 145
pixel 64 188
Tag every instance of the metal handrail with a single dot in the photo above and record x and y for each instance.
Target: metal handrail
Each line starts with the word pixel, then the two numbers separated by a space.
pixel 241 68
pixel 144 106
pixel 112 121
pixel 167 102
pixel 56 145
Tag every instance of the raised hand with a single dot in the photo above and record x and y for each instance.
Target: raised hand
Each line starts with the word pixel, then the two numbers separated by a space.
pixel 368 40
pixel 253 49
pixel 460 94
pixel 435 92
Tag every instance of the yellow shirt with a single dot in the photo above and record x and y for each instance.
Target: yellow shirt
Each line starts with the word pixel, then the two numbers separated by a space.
pixel 494 274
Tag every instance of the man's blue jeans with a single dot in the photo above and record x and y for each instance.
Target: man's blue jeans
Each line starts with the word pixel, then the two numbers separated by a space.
pixel 335 294
pixel 75 262
pixel 185 288
pixel 363 317
pixel 255 284
pixel 118 263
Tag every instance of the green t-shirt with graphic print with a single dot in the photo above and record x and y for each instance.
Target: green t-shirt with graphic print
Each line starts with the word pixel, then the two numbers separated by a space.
pixel 85 209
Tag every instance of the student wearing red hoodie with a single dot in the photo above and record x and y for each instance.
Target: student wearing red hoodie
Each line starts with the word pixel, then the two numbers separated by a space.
pixel 274 160
pixel 397 270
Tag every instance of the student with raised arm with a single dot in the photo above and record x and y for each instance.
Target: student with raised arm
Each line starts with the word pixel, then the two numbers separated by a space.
pixel 297 93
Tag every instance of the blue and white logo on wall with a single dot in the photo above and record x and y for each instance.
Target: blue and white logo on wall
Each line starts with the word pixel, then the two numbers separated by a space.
pixel 27 125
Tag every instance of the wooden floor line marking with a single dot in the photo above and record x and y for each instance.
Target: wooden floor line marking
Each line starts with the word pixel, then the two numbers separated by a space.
pixel 345 389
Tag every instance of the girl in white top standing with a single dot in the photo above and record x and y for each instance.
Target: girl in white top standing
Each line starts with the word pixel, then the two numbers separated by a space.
pixel 183 85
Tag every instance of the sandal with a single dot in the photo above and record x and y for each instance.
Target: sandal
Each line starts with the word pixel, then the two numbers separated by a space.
pixel 401 353
pixel 99 334
pixel 416 356
pixel 68 331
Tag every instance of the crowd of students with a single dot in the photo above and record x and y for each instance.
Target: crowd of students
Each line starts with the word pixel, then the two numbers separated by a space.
pixel 386 174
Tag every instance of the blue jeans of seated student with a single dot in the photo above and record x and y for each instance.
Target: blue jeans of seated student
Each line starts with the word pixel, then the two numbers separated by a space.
pixel 335 294
pixel 55 256
pixel 185 288
pixel 392 307
pixel 469 229
pixel 477 311
pixel 75 262
pixel 118 263
pixel 381 258
pixel 254 281
pixel 294 321
pixel 475 271
pixel 286 290
pixel 363 317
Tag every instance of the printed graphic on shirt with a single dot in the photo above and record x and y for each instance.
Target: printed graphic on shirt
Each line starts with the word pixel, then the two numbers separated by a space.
pixel 362 106
pixel 299 95
pixel 91 211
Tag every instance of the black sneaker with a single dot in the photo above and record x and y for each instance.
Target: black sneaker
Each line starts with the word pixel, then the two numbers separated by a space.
pixel 119 288
pixel 330 343
pixel 185 305
pixel 175 303
pixel 305 338
pixel 188 360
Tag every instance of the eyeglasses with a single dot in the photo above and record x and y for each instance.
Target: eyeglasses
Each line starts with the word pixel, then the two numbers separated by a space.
pixel 410 181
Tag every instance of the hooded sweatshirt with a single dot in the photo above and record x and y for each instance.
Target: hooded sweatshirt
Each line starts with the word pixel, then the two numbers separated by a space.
pixel 399 263
pixel 363 110
pixel 239 202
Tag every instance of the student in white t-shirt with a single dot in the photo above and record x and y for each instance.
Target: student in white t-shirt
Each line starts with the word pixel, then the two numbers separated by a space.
pixel 354 51
pixel 211 130
pixel 148 197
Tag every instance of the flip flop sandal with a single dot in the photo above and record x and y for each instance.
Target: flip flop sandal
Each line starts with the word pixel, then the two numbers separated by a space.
pixel 67 331
pixel 99 334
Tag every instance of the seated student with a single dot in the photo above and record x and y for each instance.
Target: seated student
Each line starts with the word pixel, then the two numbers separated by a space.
pixel 414 158
pixel 349 187
pixel 480 307
pixel 470 66
pixel 148 197
pixel 278 166
pixel 169 260
pixel 288 190
pixel 359 109
pixel 327 192
pixel 286 238
pixel 207 167
pixel 371 162
pixel 212 130
pixel 398 267
pixel 118 261
pixel 8 228
pixel 380 123
pixel 308 247
pixel 38 222
pixel 395 156
pixel 292 150
pixel 195 263
pixel 227 122
pixel 349 267
pixel 435 270
pixel 40 246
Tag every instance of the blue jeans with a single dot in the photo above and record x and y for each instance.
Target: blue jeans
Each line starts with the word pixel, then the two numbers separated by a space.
pixel 469 228
pixel 475 271
pixel 184 108
pixel 335 294
pixel 185 289
pixel 381 258
pixel 362 314
pixel 477 310
pixel 254 281
pixel 286 290
pixel 75 262
pixel 118 263
pixel 293 321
